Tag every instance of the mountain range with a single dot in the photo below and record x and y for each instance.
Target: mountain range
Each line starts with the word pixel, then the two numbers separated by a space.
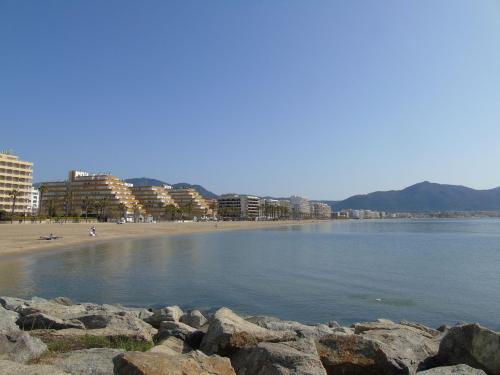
pixel 145 181
pixel 424 196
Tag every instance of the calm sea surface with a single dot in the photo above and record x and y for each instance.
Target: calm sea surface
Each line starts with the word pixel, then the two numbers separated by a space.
pixel 430 271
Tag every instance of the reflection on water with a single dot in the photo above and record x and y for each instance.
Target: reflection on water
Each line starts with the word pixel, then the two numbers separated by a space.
pixel 432 271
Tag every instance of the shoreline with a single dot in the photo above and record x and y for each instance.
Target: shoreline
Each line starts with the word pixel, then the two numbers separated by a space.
pixel 23 239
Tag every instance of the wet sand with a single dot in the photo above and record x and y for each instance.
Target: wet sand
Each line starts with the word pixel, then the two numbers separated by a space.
pixel 24 238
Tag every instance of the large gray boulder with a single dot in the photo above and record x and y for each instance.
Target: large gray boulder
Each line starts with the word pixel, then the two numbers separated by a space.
pixel 39 320
pixel 453 370
pixel 227 332
pixel 171 345
pixel 193 318
pixel 473 345
pixel 8 320
pixel 190 335
pixel 97 361
pixel 296 357
pixel 11 303
pixel 19 346
pixel 378 347
pixel 14 368
pixel 302 330
pixel 166 314
pixel 193 363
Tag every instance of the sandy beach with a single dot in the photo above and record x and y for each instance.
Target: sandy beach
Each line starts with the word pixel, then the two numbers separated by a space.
pixel 24 238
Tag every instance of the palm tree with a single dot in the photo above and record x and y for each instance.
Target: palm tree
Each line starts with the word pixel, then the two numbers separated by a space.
pixel 13 193
pixel 42 190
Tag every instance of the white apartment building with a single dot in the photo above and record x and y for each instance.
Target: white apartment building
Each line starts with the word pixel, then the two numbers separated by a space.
pixel 301 207
pixel 239 207
pixel 321 210
pixel 34 201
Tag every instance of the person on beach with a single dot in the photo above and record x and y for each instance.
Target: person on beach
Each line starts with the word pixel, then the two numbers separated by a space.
pixel 93 232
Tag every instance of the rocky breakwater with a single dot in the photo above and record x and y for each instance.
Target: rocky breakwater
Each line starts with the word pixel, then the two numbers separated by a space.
pixel 39 336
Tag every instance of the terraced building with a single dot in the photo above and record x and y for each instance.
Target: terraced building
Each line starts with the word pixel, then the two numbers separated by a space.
pixel 156 201
pixel 191 203
pixel 86 193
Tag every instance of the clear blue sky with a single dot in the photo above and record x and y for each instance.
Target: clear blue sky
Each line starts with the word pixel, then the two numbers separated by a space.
pixel 319 98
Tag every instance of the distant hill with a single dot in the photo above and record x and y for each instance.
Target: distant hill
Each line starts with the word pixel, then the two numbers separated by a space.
pixel 145 181
pixel 424 196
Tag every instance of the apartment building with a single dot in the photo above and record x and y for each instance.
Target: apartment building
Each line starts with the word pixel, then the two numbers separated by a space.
pixel 86 193
pixel 191 203
pixel 156 201
pixel 238 207
pixel 301 207
pixel 15 176
pixel 321 210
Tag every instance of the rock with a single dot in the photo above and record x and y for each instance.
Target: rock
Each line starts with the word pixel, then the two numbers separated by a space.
pixel 343 331
pixel 384 324
pixel 190 335
pixel 443 328
pixel 8 320
pixel 302 330
pixel 170 313
pixel 14 368
pixel 19 346
pixel 193 318
pixel 171 345
pixel 97 361
pixel 473 345
pixel 405 346
pixel 431 331
pixel 333 324
pixel 11 303
pixel 39 320
pixel 63 301
pixel 382 347
pixel 353 355
pixel 228 332
pixel 138 334
pixel 453 370
pixel 193 363
pixel 297 357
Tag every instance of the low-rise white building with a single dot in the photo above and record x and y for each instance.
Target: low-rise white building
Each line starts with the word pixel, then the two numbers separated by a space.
pixel 34 201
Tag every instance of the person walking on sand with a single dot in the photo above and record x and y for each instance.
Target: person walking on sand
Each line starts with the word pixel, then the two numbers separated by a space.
pixel 92 231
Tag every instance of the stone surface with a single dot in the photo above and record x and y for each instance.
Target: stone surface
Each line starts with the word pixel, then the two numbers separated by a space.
pixel 453 370
pixel 170 313
pixel 302 330
pixel 14 368
pixel 190 335
pixel 171 345
pixel 193 318
pixel 473 345
pixel 63 301
pixel 134 334
pixel 19 346
pixel 39 320
pixel 193 363
pixel 381 347
pixel 8 320
pixel 11 303
pixel 297 357
pixel 228 332
pixel 97 361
